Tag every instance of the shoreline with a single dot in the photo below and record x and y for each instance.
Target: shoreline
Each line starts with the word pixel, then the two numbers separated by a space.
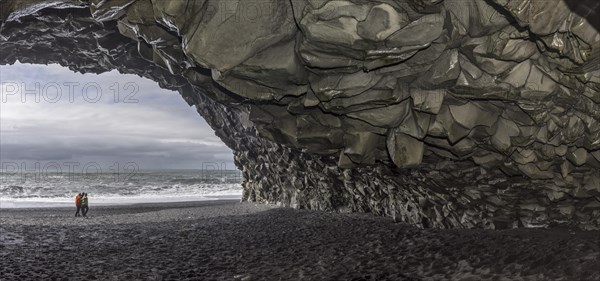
pixel 123 206
pixel 229 240
pixel 35 203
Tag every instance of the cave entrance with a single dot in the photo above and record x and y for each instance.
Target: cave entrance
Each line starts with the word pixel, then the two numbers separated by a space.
pixel 119 137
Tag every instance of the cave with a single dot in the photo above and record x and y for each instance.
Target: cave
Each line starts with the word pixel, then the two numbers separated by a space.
pixel 439 114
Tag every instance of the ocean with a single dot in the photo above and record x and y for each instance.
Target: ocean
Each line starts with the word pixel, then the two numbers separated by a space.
pixel 30 190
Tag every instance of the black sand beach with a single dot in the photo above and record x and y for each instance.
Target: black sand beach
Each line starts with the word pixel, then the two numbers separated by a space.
pixel 227 240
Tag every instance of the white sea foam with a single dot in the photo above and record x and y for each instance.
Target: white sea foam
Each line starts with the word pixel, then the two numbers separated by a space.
pixel 57 202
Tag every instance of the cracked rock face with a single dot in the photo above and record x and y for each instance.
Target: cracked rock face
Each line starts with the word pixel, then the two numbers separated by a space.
pixel 448 114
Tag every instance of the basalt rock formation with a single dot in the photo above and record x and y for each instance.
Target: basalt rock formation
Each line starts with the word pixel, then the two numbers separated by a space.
pixel 439 113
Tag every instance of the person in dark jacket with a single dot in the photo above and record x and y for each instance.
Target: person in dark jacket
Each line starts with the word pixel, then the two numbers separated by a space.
pixel 84 205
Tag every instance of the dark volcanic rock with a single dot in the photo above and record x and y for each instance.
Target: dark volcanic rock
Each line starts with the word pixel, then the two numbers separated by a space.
pixel 448 114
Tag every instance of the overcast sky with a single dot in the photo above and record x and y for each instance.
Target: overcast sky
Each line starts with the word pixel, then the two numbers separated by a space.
pixel 153 127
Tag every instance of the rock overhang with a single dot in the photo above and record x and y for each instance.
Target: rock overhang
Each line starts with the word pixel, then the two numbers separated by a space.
pixel 416 109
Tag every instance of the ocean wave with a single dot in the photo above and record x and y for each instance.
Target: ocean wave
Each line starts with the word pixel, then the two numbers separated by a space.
pixel 154 185
pixel 12 189
pixel 166 190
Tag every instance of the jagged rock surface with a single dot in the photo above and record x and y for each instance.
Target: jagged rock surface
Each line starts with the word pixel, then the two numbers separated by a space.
pixel 449 114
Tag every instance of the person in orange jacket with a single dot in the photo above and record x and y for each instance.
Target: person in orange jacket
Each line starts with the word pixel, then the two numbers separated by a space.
pixel 78 203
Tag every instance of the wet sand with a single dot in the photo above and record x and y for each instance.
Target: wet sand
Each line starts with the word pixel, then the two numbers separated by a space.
pixel 227 240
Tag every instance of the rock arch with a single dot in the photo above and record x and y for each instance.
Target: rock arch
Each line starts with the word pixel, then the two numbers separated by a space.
pixel 447 114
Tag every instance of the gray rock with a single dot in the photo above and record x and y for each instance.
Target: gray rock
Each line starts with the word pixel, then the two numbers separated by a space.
pixel 505 129
pixel 427 101
pixel 405 151
pixel 493 105
pixel 381 22
pixel 387 116
pixel 420 32
pixel 230 32
pixel 471 115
